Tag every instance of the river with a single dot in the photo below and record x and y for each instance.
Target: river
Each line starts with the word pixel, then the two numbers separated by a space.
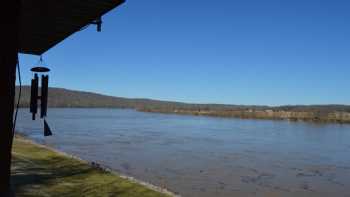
pixel 205 156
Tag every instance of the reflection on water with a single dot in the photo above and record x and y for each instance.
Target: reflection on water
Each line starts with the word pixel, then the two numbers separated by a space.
pixel 204 156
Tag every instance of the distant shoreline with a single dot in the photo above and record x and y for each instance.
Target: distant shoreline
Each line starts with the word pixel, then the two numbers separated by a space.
pixel 64 98
pixel 332 117
pixel 335 117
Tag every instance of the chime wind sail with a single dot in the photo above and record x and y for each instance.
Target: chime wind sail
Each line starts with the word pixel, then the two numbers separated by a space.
pixel 47 130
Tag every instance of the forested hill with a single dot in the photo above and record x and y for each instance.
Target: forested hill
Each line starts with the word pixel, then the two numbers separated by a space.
pixel 59 97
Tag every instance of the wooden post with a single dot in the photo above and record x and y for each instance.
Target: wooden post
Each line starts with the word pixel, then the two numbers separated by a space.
pixel 9 14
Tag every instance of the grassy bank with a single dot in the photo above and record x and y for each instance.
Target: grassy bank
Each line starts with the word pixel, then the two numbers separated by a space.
pixel 38 171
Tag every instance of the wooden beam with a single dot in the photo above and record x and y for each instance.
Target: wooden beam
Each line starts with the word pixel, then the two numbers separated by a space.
pixel 9 13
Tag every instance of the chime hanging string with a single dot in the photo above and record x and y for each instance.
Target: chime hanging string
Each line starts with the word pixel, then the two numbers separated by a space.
pixel 19 96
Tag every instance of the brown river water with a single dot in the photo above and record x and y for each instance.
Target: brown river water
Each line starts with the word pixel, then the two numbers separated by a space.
pixel 205 156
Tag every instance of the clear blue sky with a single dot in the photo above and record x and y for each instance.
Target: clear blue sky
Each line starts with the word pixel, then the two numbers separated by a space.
pixel 269 52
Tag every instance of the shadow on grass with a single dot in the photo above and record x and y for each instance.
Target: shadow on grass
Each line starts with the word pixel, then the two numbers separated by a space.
pixel 55 176
pixel 43 174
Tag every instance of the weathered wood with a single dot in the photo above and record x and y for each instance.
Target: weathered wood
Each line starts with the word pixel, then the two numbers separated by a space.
pixel 9 12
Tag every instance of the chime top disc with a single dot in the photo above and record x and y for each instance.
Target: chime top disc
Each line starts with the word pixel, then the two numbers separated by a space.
pixel 40 69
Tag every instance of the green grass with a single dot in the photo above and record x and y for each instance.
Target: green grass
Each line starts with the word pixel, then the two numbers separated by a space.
pixel 39 172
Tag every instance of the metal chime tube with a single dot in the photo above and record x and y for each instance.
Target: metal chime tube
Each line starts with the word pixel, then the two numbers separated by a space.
pixel 34 96
pixel 44 95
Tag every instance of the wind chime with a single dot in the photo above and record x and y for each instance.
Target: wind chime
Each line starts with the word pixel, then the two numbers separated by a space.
pixel 34 96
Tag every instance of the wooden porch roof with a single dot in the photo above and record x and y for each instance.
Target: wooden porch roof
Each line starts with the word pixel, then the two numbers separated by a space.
pixel 45 23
